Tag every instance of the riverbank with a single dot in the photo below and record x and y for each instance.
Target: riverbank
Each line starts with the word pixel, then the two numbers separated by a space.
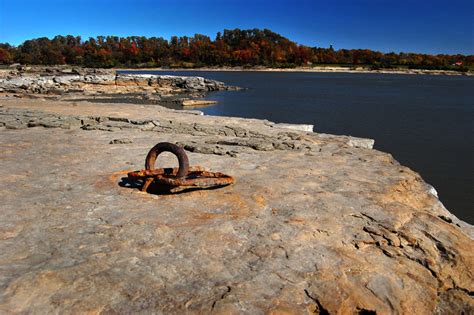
pixel 79 84
pixel 324 69
pixel 313 223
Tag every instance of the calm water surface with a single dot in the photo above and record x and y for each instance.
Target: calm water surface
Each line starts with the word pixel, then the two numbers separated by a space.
pixel 425 122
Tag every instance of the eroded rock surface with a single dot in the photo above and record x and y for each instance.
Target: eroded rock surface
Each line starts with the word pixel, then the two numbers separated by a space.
pixel 313 224
pixel 105 82
pixel 214 139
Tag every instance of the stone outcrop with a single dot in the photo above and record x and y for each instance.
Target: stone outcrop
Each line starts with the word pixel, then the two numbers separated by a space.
pixel 277 137
pixel 313 224
pixel 167 81
pixel 106 83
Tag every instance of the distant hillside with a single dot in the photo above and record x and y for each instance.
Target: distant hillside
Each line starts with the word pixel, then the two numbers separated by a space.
pixel 236 47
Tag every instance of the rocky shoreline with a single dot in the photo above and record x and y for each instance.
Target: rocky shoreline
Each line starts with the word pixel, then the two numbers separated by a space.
pixel 61 83
pixel 314 223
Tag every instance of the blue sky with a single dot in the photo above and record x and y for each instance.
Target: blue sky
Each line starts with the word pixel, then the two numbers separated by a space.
pixel 410 26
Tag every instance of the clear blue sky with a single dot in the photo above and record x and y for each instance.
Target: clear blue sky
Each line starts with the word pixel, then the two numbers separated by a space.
pixel 428 26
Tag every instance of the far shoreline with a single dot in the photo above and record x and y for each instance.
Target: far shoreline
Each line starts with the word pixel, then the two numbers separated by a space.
pixel 307 69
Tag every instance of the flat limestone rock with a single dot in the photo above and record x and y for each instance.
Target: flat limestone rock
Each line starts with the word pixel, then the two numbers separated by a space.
pixel 60 82
pixel 314 224
pixel 197 102
pixel 299 127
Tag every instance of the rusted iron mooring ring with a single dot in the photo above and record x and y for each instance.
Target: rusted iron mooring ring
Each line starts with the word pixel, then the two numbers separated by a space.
pixel 180 178
pixel 168 147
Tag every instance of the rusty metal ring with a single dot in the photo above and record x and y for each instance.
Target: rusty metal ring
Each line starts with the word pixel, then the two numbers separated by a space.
pixel 168 147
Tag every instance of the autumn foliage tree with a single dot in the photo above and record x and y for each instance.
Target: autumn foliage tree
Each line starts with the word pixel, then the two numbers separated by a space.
pixel 236 47
pixel 5 54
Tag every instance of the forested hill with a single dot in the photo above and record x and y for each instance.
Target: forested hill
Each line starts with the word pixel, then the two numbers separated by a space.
pixel 231 48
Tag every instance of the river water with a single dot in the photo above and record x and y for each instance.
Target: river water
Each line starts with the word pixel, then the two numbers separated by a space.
pixel 424 121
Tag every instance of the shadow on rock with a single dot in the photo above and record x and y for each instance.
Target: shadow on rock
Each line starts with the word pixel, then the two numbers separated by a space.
pixel 157 189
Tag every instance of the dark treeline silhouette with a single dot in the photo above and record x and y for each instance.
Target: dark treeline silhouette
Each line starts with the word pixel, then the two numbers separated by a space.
pixel 230 48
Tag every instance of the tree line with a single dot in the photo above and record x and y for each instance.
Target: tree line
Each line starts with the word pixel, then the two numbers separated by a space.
pixel 247 48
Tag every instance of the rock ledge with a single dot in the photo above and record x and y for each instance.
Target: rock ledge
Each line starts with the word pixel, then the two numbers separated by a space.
pixel 313 224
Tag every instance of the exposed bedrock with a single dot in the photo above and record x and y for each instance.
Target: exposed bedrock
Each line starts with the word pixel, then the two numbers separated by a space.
pixel 106 83
pixel 314 223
